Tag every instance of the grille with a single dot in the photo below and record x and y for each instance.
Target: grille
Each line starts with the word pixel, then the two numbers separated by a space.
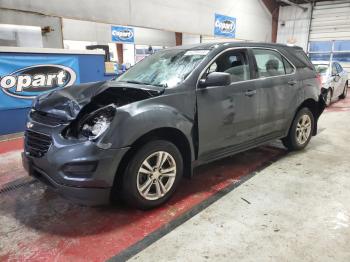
pixel 45 118
pixel 36 144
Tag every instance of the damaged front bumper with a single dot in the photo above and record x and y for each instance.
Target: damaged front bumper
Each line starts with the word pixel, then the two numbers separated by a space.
pixel 78 170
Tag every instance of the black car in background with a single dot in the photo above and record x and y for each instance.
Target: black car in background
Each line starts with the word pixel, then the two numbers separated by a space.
pixel 136 136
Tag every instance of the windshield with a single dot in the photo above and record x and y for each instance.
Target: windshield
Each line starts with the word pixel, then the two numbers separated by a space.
pixel 321 69
pixel 165 68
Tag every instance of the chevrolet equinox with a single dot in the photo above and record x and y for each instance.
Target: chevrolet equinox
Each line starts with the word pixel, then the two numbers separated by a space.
pixel 137 135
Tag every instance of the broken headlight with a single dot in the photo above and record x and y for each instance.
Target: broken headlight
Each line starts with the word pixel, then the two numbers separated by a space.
pixel 97 122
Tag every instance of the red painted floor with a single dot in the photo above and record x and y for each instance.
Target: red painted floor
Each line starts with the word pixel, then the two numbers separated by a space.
pixel 340 105
pixel 38 225
pixel 11 145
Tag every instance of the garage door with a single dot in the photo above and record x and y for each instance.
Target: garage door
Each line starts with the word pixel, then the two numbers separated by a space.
pixel 330 32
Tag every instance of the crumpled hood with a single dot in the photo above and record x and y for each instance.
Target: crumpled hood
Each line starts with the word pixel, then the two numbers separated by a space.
pixel 66 103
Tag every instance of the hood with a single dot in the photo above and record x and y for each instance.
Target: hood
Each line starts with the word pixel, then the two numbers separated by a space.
pixel 66 103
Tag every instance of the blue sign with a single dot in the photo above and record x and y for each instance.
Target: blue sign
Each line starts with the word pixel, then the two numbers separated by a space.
pixel 122 34
pixel 23 77
pixel 225 26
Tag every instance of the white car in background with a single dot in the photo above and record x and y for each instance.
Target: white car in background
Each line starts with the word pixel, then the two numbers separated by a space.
pixel 334 80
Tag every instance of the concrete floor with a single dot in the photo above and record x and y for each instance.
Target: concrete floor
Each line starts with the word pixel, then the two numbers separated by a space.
pixel 298 209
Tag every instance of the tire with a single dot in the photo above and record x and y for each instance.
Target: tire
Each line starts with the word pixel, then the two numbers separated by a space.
pixel 329 96
pixel 345 92
pixel 293 141
pixel 142 188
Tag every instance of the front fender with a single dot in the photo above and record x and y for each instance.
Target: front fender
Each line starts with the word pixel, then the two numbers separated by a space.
pixel 138 119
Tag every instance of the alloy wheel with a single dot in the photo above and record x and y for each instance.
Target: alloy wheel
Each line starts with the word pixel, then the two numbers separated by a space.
pixel 156 175
pixel 329 98
pixel 303 130
pixel 345 90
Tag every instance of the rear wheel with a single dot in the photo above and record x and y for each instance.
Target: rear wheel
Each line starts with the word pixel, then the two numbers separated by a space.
pixel 300 132
pixel 152 175
pixel 345 92
pixel 329 96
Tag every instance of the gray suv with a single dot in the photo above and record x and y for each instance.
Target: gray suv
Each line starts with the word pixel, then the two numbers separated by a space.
pixel 138 135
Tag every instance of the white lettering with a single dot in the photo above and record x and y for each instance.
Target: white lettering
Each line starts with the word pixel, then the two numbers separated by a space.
pixel 60 77
pixel 227 26
pixel 50 79
pixel 39 80
pixel 22 82
pixel 8 82
pixel 16 84
pixel 122 34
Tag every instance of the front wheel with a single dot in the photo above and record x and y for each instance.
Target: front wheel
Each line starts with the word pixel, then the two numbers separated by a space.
pixel 300 132
pixel 152 175
pixel 329 96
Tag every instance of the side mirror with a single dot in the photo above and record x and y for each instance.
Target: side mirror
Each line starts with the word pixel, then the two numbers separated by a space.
pixel 216 79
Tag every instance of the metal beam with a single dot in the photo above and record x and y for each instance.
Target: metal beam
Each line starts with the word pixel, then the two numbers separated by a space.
pixel 293 4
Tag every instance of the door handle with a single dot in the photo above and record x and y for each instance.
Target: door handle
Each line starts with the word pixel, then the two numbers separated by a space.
pixel 292 82
pixel 250 93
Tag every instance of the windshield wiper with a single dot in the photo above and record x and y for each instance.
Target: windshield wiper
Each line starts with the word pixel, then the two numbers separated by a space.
pixel 161 85
pixel 135 82
pixel 142 83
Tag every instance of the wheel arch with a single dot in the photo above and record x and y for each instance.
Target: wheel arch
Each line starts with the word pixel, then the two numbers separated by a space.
pixel 314 107
pixel 171 134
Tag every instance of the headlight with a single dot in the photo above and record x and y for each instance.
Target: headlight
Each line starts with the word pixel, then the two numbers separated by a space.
pixel 97 122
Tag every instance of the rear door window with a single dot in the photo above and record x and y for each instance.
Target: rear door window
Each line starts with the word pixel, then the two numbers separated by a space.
pixel 269 63
pixel 289 69
pixel 339 68
pixel 334 69
pixel 303 58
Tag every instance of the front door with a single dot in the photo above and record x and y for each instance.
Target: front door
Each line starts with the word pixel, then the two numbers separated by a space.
pixel 227 115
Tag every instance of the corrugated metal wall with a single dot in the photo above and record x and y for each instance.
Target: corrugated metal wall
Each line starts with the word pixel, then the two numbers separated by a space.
pixel 330 32
pixel 331 21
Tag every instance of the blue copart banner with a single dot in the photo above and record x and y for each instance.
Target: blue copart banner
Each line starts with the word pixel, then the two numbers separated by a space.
pixel 122 34
pixel 225 26
pixel 23 77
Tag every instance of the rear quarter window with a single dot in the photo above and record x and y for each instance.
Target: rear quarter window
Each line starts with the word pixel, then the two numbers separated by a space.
pixel 304 60
pixel 298 57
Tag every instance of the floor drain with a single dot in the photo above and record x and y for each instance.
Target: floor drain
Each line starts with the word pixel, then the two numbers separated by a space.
pixel 21 182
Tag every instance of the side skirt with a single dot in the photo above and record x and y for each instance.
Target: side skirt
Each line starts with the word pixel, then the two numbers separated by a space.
pixel 222 153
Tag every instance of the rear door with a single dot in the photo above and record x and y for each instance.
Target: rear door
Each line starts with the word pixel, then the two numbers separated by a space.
pixel 335 80
pixel 343 77
pixel 279 90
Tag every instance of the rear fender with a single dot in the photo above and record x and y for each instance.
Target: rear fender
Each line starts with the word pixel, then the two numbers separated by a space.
pixel 321 105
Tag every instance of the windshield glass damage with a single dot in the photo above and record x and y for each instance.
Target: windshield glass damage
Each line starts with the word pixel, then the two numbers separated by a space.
pixel 166 68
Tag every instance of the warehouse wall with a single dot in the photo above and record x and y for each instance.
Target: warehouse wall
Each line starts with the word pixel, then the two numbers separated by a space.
pixel 293 25
pixel 101 33
pixel 190 39
pixel 52 39
pixel 196 16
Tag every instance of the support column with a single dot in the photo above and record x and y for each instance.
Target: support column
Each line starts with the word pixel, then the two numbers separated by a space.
pixel 275 14
pixel 178 38
pixel 273 7
pixel 120 53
